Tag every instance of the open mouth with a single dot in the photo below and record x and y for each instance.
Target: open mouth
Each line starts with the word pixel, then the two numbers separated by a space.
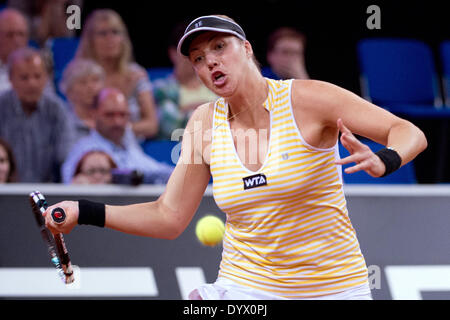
pixel 218 78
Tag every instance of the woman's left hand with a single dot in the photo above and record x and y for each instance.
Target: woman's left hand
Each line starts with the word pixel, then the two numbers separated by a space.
pixel 361 154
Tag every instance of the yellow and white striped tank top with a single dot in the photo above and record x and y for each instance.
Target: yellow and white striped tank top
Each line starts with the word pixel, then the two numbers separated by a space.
pixel 287 228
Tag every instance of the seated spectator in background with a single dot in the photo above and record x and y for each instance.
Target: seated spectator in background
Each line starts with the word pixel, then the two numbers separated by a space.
pixel 82 81
pixel 13 35
pixel 47 17
pixel 7 163
pixel 33 122
pixel 285 55
pixel 114 136
pixel 105 39
pixel 180 93
pixel 94 168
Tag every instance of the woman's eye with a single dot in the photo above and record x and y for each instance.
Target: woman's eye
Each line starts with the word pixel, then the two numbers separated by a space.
pixel 220 45
pixel 198 59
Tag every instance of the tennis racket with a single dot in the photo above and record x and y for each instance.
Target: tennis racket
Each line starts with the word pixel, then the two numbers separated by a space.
pixel 55 243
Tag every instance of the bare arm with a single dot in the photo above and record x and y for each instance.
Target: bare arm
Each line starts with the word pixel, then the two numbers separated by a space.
pixel 166 217
pixel 171 213
pixel 329 103
pixel 148 125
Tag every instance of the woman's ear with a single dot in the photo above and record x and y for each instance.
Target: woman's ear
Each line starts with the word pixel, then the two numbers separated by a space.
pixel 248 49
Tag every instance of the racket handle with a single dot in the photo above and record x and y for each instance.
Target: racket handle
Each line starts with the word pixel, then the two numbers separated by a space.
pixel 58 215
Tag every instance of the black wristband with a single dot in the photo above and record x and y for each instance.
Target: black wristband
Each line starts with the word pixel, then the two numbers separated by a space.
pixel 391 159
pixel 92 213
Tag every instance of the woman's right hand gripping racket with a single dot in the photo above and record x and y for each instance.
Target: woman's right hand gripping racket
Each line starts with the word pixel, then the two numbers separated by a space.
pixel 55 243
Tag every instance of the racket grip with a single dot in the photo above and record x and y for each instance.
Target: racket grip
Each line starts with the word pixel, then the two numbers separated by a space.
pixel 58 215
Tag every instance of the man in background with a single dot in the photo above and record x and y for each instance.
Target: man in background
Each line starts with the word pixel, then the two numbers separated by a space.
pixel 286 55
pixel 181 92
pixel 114 136
pixel 34 122
pixel 14 34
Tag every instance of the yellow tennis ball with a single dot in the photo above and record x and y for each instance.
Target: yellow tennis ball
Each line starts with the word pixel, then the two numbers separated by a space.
pixel 209 230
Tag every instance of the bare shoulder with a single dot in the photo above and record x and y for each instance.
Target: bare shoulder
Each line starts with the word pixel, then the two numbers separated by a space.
pixel 324 103
pixel 135 72
pixel 203 114
pixel 324 98
pixel 316 91
pixel 311 99
pixel 135 68
pixel 198 132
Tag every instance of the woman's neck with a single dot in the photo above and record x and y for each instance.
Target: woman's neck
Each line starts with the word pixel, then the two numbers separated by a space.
pixel 249 99
pixel 84 113
pixel 110 65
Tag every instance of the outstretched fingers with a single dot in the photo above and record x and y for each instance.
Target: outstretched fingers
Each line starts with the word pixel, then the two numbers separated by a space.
pixel 348 140
pixel 360 154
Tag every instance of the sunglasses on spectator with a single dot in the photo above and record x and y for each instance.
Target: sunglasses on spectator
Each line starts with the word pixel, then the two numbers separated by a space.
pixel 288 52
pixel 12 34
pixel 92 171
pixel 104 33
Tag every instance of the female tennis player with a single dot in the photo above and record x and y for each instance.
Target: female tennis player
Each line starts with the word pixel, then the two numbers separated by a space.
pixel 288 233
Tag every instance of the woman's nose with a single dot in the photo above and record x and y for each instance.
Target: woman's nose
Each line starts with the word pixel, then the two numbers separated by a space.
pixel 211 61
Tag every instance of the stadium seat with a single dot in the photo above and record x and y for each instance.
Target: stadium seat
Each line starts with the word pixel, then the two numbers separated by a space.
pixel 161 150
pixel 404 175
pixel 159 73
pixel 445 58
pixel 63 50
pixel 33 44
pixel 400 76
pixel 268 73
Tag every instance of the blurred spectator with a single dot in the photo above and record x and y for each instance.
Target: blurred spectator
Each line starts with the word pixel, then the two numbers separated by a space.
pixel 94 168
pixel 33 122
pixel 105 39
pixel 7 163
pixel 181 92
pixel 114 136
pixel 286 54
pixel 82 81
pixel 13 35
pixel 47 17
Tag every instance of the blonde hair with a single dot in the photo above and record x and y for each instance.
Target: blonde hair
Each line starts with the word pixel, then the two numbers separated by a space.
pixel 86 47
pixel 77 69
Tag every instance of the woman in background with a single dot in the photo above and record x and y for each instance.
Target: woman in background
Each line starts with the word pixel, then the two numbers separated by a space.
pixel 105 40
pixel 7 163
pixel 82 81
pixel 94 168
